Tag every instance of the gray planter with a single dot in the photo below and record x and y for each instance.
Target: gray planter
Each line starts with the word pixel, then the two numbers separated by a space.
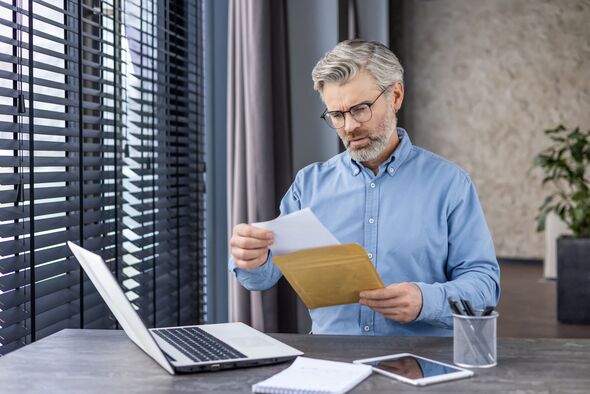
pixel 573 280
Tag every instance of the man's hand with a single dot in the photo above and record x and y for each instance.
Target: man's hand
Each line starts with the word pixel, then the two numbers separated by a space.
pixel 249 245
pixel 401 302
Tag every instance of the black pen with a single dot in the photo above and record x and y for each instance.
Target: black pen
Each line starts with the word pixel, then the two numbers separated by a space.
pixel 467 306
pixel 487 311
pixel 454 306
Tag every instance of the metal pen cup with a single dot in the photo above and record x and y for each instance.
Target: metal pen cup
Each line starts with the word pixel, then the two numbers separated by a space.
pixel 474 340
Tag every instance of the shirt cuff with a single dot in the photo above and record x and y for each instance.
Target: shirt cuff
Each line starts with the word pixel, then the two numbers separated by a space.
pixel 254 279
pixel 432 302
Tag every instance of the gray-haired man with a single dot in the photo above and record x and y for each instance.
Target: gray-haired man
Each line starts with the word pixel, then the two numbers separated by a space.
pixel 417 215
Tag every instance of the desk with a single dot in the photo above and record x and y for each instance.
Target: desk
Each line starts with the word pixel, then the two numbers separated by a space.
pixel 105 361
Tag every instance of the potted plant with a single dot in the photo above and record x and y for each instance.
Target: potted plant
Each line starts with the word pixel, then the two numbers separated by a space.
pixel 566 165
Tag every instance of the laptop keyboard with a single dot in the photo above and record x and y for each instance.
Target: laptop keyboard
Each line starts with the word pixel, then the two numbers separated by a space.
pixel 197 344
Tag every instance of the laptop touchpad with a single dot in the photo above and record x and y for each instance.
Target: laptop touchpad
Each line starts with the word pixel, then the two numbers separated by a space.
pixel 253 342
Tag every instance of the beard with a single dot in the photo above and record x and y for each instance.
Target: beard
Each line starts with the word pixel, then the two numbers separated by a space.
pixel 378 139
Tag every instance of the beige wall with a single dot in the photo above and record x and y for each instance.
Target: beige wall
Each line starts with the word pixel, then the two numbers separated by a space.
pixel 484 79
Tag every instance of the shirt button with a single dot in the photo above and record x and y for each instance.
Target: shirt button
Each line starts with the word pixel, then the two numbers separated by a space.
pixel 390 170
pixel 372 185
pixel 370 255
pixel 366 328
pixel 371 220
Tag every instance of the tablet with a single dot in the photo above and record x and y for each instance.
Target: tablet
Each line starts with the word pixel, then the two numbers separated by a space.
pixel 415 370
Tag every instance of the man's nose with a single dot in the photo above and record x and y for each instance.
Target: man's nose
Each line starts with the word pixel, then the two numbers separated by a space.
pixel 350 123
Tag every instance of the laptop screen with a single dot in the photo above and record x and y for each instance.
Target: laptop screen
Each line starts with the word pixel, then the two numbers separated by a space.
pixel 113 295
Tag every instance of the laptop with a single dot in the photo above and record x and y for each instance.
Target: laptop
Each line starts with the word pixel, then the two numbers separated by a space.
pixel 208 347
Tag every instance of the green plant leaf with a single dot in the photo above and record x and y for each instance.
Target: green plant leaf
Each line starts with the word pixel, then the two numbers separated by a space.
pixel 580 196
pixel 564 163
pixel 541 221
pixel 578 213
pixel 558 129
pixel 547 200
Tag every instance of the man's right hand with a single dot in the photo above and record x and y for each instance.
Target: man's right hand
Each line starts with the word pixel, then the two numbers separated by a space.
pixel 249 245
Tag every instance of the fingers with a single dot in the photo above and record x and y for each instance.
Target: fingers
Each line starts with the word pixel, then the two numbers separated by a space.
pixel 400 315
pixel 251 264
pixel 395 314
pixel 249 231
pixel 388 303
pixel 395 302
pixel 381 294
pixel 249 254
pixel 405 304
pixel 248 237
pixel 249 245
pixel 401 302
pixel 249 258
pixel 392 291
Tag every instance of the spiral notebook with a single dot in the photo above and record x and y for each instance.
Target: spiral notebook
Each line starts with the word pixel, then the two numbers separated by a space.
pixel 310 375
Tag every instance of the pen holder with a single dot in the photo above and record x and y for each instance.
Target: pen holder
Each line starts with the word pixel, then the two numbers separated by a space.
pixel 474 340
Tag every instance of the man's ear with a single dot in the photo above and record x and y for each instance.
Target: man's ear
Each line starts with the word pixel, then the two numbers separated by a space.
pixel 397 95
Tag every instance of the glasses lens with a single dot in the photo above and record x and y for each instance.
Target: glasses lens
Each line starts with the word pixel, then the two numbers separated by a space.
pixel 361 113
pixel 335 119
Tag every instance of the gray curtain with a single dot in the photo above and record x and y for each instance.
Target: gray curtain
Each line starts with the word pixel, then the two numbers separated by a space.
pixel 259 143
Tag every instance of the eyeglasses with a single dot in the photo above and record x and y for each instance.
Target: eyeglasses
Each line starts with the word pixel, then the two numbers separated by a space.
pixel 360 112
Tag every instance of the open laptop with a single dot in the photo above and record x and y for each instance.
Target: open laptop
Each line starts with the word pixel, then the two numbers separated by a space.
pixel 208 347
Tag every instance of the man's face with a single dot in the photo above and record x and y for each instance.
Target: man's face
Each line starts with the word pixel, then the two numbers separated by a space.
pixel 364 141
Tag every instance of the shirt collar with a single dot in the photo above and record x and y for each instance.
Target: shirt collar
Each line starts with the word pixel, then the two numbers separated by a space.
pixel 393 162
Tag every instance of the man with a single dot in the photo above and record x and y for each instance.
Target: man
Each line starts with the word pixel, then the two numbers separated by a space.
pixel 417 215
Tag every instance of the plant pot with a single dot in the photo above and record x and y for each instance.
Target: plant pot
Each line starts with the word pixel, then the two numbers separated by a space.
pixel 573 280
pixel 554 228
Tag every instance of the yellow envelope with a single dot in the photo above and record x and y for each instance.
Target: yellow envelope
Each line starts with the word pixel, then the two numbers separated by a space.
pixel 331 275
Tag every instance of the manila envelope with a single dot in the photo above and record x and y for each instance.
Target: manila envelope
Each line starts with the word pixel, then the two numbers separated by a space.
pixel 330 275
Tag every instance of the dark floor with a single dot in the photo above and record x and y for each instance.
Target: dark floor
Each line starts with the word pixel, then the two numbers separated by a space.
pixel 528 305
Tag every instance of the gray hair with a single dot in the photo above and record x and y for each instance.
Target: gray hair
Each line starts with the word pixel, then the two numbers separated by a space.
pixel 350 57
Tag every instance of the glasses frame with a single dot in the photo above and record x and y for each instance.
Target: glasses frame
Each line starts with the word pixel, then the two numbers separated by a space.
pixel 343 113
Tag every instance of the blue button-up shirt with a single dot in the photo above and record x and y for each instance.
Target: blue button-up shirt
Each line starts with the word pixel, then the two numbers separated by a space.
pixel 420 221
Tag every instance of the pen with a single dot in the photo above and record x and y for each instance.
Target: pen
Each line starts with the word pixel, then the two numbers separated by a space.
pixel 454 306
pixel 467 306
pixel 487 311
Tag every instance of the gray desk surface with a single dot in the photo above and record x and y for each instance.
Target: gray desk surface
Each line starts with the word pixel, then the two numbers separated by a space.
pixel 104 361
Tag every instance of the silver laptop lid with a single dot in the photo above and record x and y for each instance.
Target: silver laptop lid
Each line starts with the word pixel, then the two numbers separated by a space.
pixel 111 292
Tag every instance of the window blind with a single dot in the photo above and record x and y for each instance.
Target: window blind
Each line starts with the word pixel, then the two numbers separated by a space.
pixel 101 143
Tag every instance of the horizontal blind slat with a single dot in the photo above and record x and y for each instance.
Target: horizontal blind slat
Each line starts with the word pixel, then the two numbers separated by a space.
pixel 13 333
pixel 12 316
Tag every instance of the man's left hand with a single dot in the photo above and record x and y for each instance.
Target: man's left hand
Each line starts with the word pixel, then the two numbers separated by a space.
pixel 401 301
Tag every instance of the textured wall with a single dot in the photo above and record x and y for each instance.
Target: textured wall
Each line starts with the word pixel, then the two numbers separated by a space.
pixel 484 79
